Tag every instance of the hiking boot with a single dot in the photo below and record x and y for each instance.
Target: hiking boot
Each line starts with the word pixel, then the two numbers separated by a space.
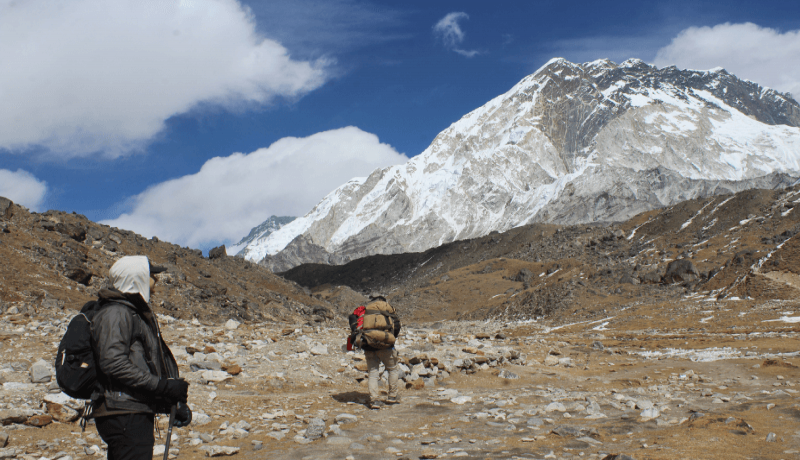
pixel 393 400
pixel 376 404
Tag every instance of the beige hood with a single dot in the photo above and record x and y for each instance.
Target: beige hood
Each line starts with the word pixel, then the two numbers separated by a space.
pixel 131 275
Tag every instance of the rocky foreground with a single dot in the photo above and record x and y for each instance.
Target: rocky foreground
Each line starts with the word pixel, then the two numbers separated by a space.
pixel 695 378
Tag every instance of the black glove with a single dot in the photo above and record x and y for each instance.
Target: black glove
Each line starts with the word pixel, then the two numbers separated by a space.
pixel 174 390
pixel 183 416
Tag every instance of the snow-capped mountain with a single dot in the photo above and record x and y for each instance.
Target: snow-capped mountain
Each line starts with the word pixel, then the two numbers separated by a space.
pixel 259 233
pixel 571 143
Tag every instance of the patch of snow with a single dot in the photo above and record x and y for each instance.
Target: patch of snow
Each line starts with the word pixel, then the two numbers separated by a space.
pixel 703 356
pixel 784 319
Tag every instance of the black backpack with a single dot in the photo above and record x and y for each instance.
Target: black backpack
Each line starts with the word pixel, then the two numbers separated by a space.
pixel 76 371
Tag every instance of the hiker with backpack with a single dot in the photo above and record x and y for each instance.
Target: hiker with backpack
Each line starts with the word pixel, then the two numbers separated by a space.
pixel 135 373
pixel 375 328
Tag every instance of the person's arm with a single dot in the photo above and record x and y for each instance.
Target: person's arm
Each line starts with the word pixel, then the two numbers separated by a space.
pixel 396 326
pixel 112 332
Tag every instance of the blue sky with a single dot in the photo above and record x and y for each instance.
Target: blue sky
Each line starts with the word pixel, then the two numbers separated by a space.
pixel 115 109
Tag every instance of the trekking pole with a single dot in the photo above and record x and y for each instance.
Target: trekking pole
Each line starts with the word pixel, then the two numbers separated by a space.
pixel 172 412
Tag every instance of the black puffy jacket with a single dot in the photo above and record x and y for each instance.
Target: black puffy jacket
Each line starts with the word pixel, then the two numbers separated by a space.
pixel 131 356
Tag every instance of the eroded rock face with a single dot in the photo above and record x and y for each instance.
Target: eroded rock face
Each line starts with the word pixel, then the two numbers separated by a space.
pixel 572 143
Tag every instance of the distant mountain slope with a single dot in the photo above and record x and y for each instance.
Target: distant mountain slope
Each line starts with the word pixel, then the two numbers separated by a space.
pixel 258 233
pixel 572 143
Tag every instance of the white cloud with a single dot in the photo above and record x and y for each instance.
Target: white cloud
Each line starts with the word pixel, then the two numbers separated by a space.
pixel 230 195
pixel 90 76
pixel 23 188
pixel 747 50
pixel 449 31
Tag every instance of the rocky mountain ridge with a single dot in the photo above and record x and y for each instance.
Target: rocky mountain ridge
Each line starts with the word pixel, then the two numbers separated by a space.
pixel 571 143
pixel 260 232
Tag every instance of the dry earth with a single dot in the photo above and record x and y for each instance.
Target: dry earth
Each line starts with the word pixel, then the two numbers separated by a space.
pixel 594 352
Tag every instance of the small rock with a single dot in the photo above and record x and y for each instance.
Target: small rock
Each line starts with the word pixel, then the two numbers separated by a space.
pixel 3 439
pixel 39 420
pixel 276 435
pixel 504 374
pixel 429 453
pixel 345 418
pixel 40 372
pixel 232 325
pixel 555 407
pixel 772 437
pixel 215 376
pixel 649 414
pixel 218 451
pixel 61 413
pixel 9 452
pixel 234 369
pixel 461 400
pixel 8 417
pixel 644 404
pixel 319 350
pixel 315 429
pixel 551 360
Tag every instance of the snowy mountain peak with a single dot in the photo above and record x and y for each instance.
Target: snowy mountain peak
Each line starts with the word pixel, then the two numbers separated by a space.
pixel 571 143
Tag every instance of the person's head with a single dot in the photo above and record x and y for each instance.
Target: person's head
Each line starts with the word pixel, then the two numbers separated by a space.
pixel 135 275
pixel 377 296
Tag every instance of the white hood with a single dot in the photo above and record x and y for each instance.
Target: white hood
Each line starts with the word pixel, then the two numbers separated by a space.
pixel 131 275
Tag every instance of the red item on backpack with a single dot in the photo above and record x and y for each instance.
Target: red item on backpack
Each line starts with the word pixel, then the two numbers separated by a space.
pixel 360 313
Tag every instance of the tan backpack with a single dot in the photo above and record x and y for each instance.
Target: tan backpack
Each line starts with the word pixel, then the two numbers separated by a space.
pixel 377 330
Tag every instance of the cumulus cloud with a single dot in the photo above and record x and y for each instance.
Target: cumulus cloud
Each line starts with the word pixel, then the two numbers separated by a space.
pixel 449 32
pixel 230 195
pixel 90 76
pixel 760 54
pixel 23 188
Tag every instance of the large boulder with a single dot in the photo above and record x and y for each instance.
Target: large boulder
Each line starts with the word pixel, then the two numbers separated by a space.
pixel 679 271
pixel 218 252
pixel 76 232
pixel 5 208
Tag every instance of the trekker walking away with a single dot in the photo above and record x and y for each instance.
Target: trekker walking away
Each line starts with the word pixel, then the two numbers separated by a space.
pixel 374 328
pixel 137 375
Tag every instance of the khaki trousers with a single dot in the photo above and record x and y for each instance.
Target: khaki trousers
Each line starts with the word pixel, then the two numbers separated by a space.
pixel 374 359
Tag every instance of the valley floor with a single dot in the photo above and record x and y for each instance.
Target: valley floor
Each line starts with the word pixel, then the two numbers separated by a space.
pixel 694 378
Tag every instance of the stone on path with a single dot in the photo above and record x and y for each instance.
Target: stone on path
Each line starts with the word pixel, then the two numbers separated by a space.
pixel 7 417
pixel 555 407
pixel 649 414
pixel 232 325
pixel 345 418
pixel 429 453
pixel 218 451
pixel 504 374
pixel 461 400
pixel 644 404
pixel 40 372
pixel 315 429
pixel 772 437
pixel 215 376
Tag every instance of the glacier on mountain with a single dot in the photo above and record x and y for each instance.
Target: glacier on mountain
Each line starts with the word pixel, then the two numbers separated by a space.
pixel 571 143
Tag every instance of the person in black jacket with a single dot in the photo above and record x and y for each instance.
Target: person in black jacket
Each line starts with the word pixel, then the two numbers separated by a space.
pixel 376 356
pixel 137 373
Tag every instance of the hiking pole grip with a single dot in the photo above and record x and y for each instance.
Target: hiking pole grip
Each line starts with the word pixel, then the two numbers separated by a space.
pixel 172 411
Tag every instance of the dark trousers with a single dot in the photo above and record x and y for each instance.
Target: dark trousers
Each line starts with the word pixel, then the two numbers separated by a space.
pixel 129 436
